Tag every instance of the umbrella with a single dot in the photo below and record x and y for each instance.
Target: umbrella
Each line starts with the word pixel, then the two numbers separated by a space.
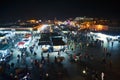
pixel 21 43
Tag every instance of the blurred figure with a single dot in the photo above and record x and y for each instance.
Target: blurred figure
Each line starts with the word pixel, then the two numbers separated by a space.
pixel 102 76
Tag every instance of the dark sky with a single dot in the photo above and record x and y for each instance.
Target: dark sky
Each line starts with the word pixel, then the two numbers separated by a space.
pixel 61 9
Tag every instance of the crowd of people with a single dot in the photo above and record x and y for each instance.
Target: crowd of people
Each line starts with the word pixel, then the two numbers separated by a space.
pixel 77 43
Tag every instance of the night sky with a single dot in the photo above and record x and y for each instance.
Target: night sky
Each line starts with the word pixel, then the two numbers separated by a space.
pixel 61 9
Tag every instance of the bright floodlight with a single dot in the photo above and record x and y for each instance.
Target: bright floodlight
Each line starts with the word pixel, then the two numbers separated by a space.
pixel 44 26
pixel 84 72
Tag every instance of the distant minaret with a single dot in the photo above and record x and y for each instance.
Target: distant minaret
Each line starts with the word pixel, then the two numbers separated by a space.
pixel 55 20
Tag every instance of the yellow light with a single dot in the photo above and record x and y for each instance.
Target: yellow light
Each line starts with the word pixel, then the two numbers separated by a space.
pixel 100 27
pixel 31 29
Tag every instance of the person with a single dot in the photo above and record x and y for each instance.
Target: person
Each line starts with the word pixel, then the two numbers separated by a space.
pixel 43 60
pixel 58 53
pixel 96 75
pixel 41 53
pixel 86 55
pixel 112 43
pixel 18 56
pixel 16 77
pixel 104 61
pixel 75 57
pixel 55 59
pixel 107 54
pixel 110 54
pixel 48 55
pixel 12 65
pixel 110 63
pixel 30 49
pixel 18 60
pixel 35 53
pixel 80 57
pixel 72 49
pixel 102 76
pixel 47 76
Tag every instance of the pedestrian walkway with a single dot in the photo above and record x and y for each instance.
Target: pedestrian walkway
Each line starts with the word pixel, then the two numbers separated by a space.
pixel 89 58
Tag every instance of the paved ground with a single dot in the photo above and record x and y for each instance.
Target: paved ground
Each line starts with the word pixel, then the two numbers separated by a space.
pixel 70 70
